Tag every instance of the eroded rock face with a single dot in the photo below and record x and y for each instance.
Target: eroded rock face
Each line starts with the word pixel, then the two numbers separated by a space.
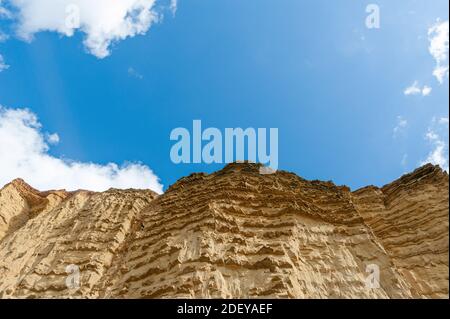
pixel 86 231
pixel 410 218
pixel 19 202
pixel 231 234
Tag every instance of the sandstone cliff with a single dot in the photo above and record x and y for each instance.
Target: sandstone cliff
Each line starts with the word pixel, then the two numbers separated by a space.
pixel 410 218
pixel 231 234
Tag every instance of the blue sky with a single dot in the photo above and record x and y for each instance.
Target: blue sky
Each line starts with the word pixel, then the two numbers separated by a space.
pixel 334 88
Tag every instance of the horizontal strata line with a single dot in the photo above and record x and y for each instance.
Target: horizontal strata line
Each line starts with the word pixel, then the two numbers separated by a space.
pixel 221 215
pixel 401 264
pixel 407 232
pixel 387 225
pixel 240 199
pixel 142 262
pixel 204 222
pixel 413 182
pixel 160 245
pixel 357 284
pixel 260 207
pixel 422 246
pixel 393 232
pixel 400 212
pixel 236 208
pixel 142 257
pixel 418 252
pixel 384 226
pixel 207 262
pixel 397 212
pixel 435 198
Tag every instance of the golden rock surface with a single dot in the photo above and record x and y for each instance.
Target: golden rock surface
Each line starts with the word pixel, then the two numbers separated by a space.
pixel 235 233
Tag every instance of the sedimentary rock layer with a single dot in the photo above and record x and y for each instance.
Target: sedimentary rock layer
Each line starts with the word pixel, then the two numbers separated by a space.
pixel 235 233
pixel 86 230
pixel 410 218
pixel 19 202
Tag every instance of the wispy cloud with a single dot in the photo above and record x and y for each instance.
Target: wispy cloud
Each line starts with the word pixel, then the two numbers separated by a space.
pixel 24 150
pixel 443 121
pixel 401 125
pixel 3 36
pixel 416 89
pixel 4 13
pixel 3 65
pixel 438 37
pixel 173 6
pixel 133 73
pixel 437 137
pixel 404 161
pixel 52 138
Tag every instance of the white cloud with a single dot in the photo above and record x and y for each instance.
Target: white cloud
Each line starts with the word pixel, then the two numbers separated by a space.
pixel 438 37
pixel 3 65
pixel 3 36
pixel 426 90
pixel 103 22
pixel 439 155
pixel 404 161
pixel 4 13
pixel 415 89
pixel 133 73
pixel 25 154
pixel 443 121
pixel 53 138
pixel 173 6
pixel 401 125
pixel 437 136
